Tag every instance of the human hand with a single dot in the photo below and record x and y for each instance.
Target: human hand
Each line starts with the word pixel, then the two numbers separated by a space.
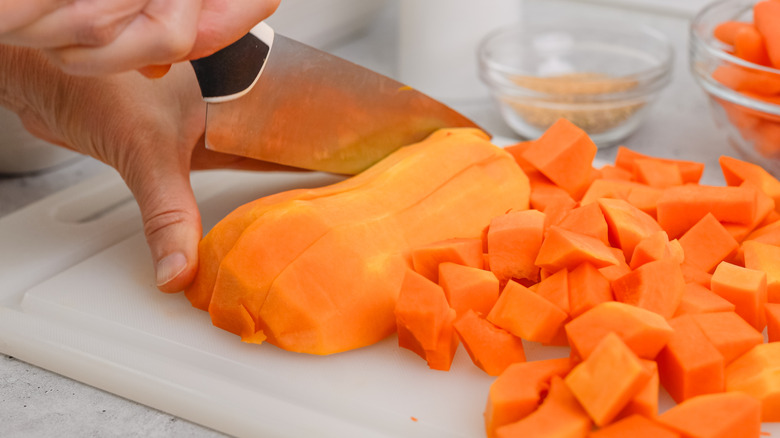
pixel 150 131
pixel 94 37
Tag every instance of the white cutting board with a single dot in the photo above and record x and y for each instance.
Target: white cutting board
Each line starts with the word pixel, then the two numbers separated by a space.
pixel 77 297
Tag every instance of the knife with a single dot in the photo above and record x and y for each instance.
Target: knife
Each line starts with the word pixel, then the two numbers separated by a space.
pixel 272 98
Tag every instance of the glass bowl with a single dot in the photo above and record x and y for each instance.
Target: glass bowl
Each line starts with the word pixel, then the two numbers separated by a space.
pixel 602 77
pixel 742 108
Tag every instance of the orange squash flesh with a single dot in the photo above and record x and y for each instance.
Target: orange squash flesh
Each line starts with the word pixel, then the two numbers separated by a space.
pixel 525 314
pixel 764 207
pixel 468 288
pixel 765 16
pixel 773 322
pixel 612 172
pixel 628 225
pixel 217 243
pixel 657 286
pixel 383 242
pixel 724 415
pixel 635 426
pixel 546 195
pixel 645 402
pixel 587 288
pixel 646 333
pixel 421 312
pixel 763 257
pixel 610 377
pixel 699 299
pixel 766 232
pixel 681 207
pixel 656 173
pixel 736 172
pixel 691 171
pixel 220 240
pixel 491 348
pixel 564 154
pixel 706 243
pixel 555 289
pixel 729 333
pixel 461 250
pixel 564 249
pixel 613 272
pixel 519 390
pixel 270 272
pixel 749 45
pixel 260 254
pixel 656 247
pixel 726 31
pixel 559 416
pixel 513 242
pixel 745 288
pixel 692 274
pixel 757 373
pixel 587 219
pixel 641 196
pixel 689 365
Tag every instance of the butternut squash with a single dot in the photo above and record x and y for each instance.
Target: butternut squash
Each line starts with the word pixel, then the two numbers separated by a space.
pixel 643 331
pixel 635 426
pixel 519 391
pixel 490 348
pixel 757 373
pixel 319 270
pixel 608 379
pixel 703 416
pixel 559 416
pixel 689 365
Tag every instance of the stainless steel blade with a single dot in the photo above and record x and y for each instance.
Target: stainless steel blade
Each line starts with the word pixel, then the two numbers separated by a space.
pixel 313 110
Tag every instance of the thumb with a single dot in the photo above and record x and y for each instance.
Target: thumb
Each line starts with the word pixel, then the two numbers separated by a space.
pixel 172 227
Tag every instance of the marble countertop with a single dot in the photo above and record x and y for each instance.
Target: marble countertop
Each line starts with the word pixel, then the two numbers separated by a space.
pixel 37 403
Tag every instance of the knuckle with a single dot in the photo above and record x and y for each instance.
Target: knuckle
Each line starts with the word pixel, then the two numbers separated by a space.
pixel 98 32
pixel 160 221
pixel 174 44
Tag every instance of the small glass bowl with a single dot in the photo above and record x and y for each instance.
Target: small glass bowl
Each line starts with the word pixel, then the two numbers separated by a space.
pixel 602 77
pixel 751 124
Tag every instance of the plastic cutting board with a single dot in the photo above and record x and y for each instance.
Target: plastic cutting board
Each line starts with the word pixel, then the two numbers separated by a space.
pixel 78 298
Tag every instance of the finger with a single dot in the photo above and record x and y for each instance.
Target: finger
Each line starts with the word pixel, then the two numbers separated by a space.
pixel 224 21
pixel 171 224
pixel 90 23
pixel 15 14
pixel 163 33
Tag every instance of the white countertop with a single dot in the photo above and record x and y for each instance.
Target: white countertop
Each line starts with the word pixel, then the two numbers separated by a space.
pixel 35 402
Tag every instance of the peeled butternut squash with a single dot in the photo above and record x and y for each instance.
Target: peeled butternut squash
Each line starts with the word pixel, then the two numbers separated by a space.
pixel 319 270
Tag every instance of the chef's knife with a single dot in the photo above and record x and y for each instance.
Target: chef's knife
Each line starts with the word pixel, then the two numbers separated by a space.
pixel 275 99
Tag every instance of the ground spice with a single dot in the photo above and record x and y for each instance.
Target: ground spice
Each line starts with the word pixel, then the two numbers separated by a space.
pixel 576 97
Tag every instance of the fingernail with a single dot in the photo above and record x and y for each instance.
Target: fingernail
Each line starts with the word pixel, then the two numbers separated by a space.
pixel 169 267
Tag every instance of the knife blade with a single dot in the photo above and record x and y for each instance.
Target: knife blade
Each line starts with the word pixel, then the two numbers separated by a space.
pixel 272 98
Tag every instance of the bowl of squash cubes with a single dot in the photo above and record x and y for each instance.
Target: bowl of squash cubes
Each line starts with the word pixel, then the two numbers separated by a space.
pixel 735 57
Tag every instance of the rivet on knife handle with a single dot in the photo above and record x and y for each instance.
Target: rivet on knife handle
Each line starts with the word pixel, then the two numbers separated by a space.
pixel 231 72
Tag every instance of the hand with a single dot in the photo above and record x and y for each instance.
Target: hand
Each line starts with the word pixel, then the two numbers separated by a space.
pixel 96 37
pixel 150 131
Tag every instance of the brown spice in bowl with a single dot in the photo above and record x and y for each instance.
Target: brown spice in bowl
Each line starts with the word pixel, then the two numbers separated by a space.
pixel 565 90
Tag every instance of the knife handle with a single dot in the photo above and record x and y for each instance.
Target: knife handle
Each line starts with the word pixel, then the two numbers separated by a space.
pixel 232 71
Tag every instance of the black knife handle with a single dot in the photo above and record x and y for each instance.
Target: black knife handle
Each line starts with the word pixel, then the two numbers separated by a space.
pixel 231 71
